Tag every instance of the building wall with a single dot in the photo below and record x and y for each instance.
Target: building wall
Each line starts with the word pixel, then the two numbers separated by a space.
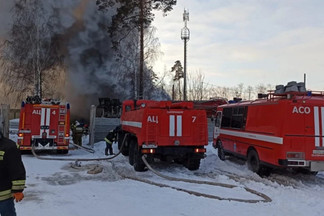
pixel 103 126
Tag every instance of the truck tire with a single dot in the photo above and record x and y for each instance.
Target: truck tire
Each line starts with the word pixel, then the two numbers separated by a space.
pixel 220 150
pixel 124 151
pixel 193 163
pixel 253 161
pixel 255 165
pixel 138 162
pixel 131 148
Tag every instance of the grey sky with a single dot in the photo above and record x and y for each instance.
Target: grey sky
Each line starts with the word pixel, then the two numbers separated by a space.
pixel 247 41
pixel 241 41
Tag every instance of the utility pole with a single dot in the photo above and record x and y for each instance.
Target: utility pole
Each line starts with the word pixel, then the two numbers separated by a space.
pixel 38 79
pixel 141 70
pixel 185 35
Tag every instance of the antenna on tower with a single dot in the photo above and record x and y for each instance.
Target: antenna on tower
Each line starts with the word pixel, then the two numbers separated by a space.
pixel 185 35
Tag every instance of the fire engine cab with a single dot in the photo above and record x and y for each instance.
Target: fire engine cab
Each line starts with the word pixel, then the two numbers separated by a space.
pixel 284 128
pixel 44 124
pixel 164 130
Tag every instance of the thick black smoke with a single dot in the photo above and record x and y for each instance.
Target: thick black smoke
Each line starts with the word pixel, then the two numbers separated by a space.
pixel 90 61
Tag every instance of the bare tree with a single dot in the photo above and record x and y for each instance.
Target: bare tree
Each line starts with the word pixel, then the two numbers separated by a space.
pixel 249 91
pixel 196 87
pixel 260 88
pixel 30 49
pixel 238 90
pixel 127 60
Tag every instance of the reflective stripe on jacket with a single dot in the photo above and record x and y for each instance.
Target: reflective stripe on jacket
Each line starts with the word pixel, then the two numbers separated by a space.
pixel 12 170
pixel 108 141
pixel 111 136
pixel 5 195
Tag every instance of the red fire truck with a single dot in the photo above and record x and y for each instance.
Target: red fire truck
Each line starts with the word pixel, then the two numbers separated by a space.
pixel 210 105
pixel 44 124
pixel 164 130
pixel 281 130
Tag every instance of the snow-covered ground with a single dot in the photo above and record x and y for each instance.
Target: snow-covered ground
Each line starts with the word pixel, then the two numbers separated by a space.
pixel 61 188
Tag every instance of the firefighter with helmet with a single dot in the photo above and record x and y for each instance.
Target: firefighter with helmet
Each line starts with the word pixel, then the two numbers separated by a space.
pixel 12 176
pixel 77 133
pixel 110 138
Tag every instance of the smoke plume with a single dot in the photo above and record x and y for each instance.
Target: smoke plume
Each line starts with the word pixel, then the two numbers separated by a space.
pixel 86 47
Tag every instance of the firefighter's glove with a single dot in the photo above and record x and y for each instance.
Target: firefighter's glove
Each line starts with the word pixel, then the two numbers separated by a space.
pixel 18 196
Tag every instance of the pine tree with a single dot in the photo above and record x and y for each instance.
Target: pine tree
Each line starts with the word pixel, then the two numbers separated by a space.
pixel 132 15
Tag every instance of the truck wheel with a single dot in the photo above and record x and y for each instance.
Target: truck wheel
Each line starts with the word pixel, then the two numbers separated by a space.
pixel 138 162
pixel 124 151
pixel 120 137
pixel 220 150
pixel 131 148
pixel 193 164
pixel 253 161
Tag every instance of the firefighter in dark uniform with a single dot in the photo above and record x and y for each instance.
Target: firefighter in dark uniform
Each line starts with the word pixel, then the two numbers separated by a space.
pixel 110 138
pixel 77 133
pixel 12 176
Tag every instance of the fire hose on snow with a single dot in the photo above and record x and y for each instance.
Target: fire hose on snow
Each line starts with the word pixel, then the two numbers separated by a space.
pixel 90 150
pixel 264 197
pixel 78 159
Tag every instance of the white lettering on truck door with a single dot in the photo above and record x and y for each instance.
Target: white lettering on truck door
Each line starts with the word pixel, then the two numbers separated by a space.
pixel 153 119
pixel 301 110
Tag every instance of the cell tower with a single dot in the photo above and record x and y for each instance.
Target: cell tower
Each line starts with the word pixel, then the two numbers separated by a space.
pixel 185 35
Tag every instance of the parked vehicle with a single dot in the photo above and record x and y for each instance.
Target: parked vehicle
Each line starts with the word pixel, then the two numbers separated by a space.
pixel 164 130
pixel 44 124
pixel 284 129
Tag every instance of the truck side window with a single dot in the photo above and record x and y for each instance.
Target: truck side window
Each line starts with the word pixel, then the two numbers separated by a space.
pixel 234 117
pixel 236 121
pixel 218 119
pixel 226 119
pixel 239 117
pixel 244 117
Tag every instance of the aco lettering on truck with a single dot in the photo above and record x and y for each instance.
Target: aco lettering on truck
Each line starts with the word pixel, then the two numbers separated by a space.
pixel 301 110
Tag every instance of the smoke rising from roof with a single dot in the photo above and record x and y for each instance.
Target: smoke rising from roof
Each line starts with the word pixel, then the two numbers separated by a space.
pixel 90 62
pixel 89 57
pixel 86 46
